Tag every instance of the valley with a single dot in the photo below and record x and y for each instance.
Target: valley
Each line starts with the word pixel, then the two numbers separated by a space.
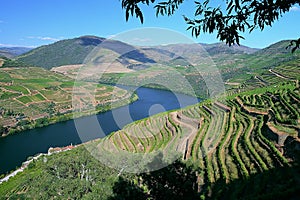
pixel 121 63
pixel 245 142
pixel 236 138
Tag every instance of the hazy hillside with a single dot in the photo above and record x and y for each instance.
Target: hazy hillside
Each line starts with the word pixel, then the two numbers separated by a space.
pixel 216 48
pixel 74 51
pixel 265 59
pixel 152 64
pixel 11 52
pixel 272 56
pixel 236 64
pixel 64 52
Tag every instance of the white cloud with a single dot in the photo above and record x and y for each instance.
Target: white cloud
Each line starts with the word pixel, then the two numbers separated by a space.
pixel 141 40
pixel 45 38
pixel 295 9
pixel 48 38
pixel 111 36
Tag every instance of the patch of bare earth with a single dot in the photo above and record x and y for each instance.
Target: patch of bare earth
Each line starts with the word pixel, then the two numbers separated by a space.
pixel 91 71
pixel 232 83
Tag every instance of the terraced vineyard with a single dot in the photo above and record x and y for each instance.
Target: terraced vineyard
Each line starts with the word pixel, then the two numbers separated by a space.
pixel 244 147
pixel 248 134
pixel 32 94
pixel 289 72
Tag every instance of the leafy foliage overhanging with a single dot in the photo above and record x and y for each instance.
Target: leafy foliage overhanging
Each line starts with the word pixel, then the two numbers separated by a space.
pixel 236 17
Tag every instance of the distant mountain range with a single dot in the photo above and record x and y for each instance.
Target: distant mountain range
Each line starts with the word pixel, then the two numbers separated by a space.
pixel 10 52
pixel 218 48
pixel 235 61
pixel 74 51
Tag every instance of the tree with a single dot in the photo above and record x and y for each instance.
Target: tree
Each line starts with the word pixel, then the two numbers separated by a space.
pixel 176 181
pixel 229 21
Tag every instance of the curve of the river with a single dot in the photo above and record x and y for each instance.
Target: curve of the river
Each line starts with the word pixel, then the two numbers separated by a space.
pixel 15 149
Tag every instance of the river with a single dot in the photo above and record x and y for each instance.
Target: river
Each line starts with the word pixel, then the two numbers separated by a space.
pixel 15 149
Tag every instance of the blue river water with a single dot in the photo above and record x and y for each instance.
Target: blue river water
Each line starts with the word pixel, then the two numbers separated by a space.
pixel 15 149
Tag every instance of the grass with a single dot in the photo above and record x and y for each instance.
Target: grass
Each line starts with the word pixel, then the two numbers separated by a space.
pixel 69 84
pixel 17 88
pixel 26 94
pixel 37 98
pixel 9 95
pixel 25 99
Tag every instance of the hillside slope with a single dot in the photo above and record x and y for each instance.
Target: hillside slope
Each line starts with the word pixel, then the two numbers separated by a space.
pixel 245 147
pixel 11 52
pixel 33 97
pixel 157 64
pixel 272 56
pixel 63 52
pixel 74 51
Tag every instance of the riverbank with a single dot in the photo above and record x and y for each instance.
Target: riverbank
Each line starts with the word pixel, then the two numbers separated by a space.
pixel 42 122
pixel 26 163
pixel 32 142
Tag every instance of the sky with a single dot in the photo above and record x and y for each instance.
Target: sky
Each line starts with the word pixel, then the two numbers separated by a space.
pixel 33 23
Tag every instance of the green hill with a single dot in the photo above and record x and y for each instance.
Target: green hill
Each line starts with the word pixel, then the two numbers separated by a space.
pixel 234 66
pixel 11 52
pixel 160 64
pixel 272 56
pixel 74 51
pixel 65 52
pixel 246 146
pixel 8 62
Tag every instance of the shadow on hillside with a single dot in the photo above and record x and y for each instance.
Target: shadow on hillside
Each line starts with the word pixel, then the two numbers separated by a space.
pixel 277 183
pixel 175 182
pixel 179 181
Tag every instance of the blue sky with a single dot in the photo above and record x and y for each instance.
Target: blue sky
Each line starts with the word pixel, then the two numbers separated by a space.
pixel 39 22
